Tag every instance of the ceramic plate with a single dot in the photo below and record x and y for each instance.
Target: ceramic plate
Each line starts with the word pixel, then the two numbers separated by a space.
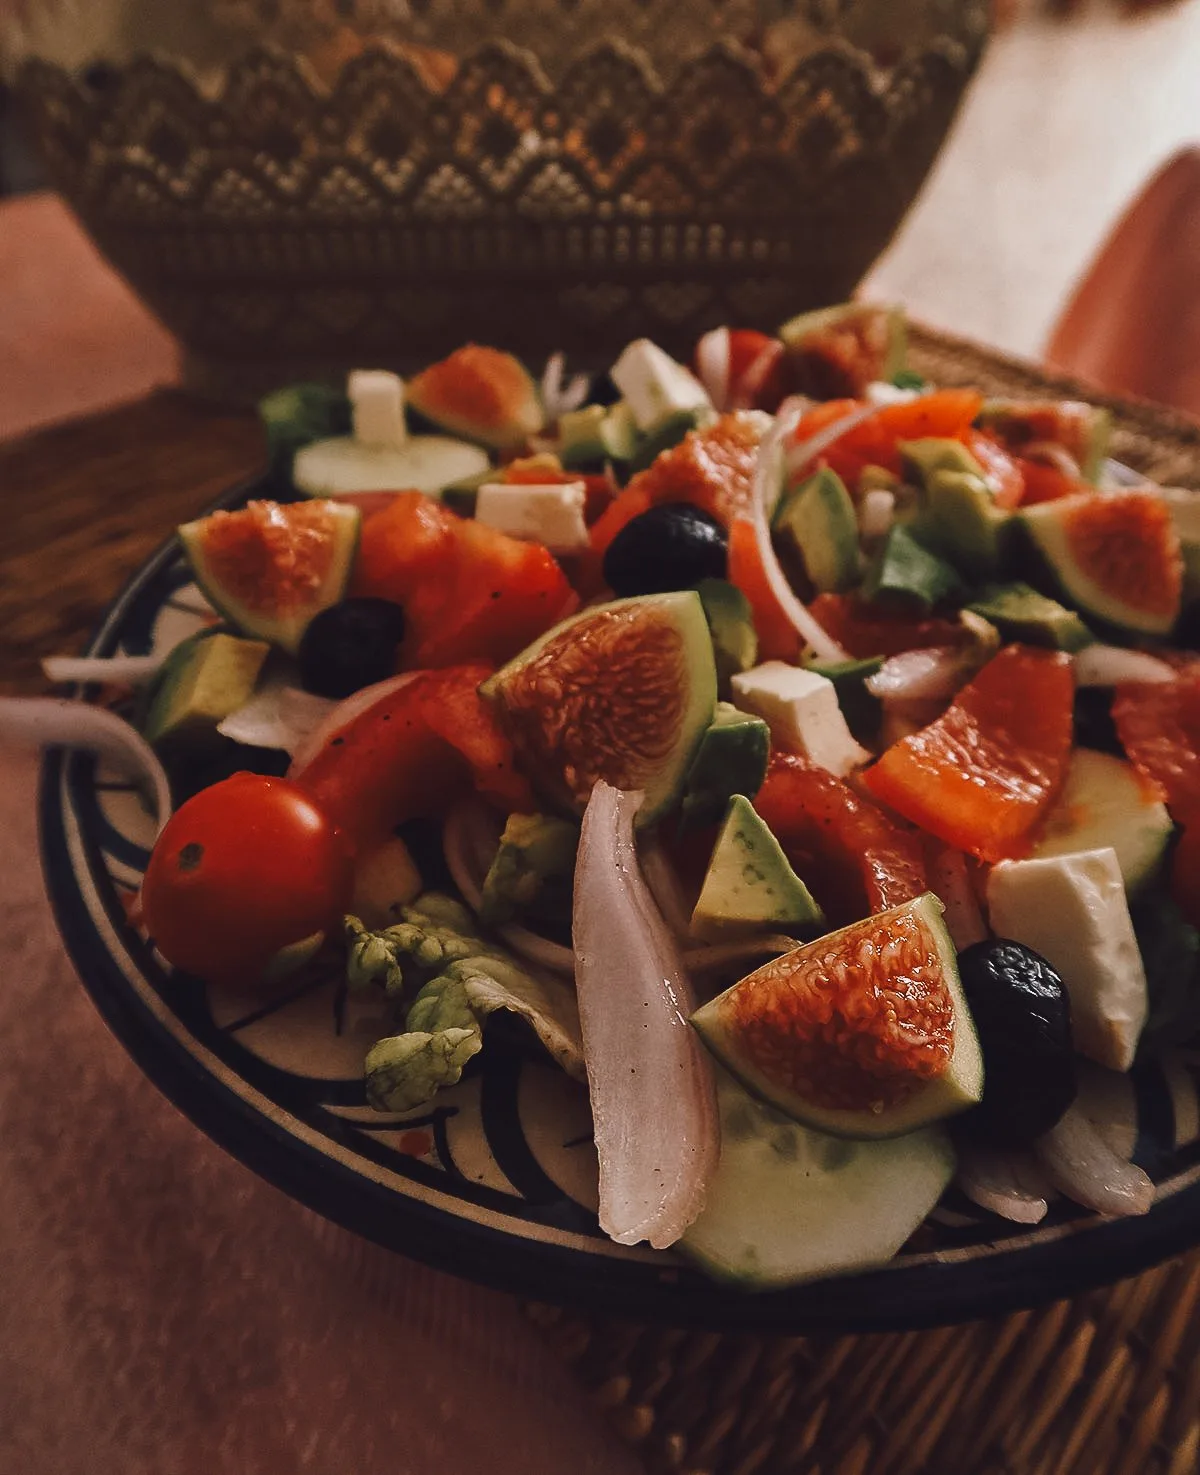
pixel 497 1181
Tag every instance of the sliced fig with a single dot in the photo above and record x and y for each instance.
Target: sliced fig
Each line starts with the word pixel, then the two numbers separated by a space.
pixel 622 692
pixel 481 393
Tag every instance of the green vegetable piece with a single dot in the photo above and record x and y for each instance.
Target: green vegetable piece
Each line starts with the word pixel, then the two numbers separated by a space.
pixel 732 759
pixel 818 518
pixel 922 458
pixel 619 434
pixel 1019 612
pixel 877 479
pixel 650 446
pixel 445 1029
pixel 435 930
pixel 750 885
pixel 862 711
pixel 909 379
pixel 731 625
pixel 533 871
pixel 904 571
pixel 299 414
pixel 580 442
pixel 957 517
pixel 203 680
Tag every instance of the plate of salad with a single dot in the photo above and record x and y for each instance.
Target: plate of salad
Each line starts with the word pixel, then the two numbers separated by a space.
pixel 713 842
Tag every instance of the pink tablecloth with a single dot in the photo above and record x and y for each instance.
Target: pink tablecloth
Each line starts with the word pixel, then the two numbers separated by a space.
pixel 164 1312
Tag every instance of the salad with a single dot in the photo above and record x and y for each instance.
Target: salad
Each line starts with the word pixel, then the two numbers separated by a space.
pixel 806 755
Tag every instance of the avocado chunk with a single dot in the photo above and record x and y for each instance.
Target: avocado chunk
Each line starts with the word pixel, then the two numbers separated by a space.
pixel 838 351
pixel 619 433
pixel 731 625
pixel 957 516
pixel 819 520
pixel 750 886
pixel 732 759
pixel 905 572
pixel 1019 612
pixel 204 679
pixel 533 870
pixel 579 440
pixel 669 433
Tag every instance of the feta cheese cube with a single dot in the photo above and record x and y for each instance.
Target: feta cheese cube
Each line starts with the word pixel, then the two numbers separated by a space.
pixel 801 709
pixel 1072 910
pixel 655 386
pixel 552 515
pixel 377 408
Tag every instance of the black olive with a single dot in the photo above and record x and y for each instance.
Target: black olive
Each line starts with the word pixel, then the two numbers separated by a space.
pixel 1023 1017
pixel 350 645
pixel 672 546
pixel 1094 725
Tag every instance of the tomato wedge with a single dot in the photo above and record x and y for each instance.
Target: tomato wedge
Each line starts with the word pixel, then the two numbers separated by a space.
pixel 864 631
pixel 1159 728
pixel 854 857
pixel 468 592
pixel 986 771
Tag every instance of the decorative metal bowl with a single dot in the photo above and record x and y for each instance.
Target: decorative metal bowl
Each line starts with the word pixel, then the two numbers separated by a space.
pixel 303 186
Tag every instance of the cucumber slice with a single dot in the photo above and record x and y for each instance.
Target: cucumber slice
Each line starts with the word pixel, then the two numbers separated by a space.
pixel 789 1204
pixel 424 463
pixel 1104 802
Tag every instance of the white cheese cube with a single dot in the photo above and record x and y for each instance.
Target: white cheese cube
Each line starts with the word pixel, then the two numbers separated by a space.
pixel 552 515
pixel 1072 910
pixel 377 407
pixel 655 386
pixel 801 709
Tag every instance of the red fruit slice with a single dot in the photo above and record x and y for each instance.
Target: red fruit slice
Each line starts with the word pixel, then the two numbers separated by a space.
pixel 270 567
pixel 1046 483
pixel 1000 470
pixel 864 631
pixel 450 704
pixel 468 592
pixel 777 638
pixel 985 772
pixel 852 856
pixel 946 413
pixel 757 371
pixel 1159 728
pixel 481 393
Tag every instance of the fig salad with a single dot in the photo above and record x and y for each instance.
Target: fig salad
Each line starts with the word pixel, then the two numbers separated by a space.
pixel 806 755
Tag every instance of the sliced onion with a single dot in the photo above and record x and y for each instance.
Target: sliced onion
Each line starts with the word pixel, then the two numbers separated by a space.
pixel 768 474
pixel 1110 665
pixel 58 722
pixel 280 714
pixel 951 884
pixel 459 863
pixel 129 670
pixel 876 513
pixel 803 453
pixel 992 1180
pixel 1080 1163
pixel 712 366
pixel 535 948
pixel 342 715
pixel 558 398
pixel 932 674
pixel 653 1097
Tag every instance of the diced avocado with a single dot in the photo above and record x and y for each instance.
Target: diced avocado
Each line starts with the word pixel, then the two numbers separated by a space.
pixel 580 442
pixel 905 572
pixel 665 435
pixel 1019 612
pixel 788 1204
pixel 956 515
pixel 861 710
pixel 838 351
pixel 1082 430
pixel 731 625
pixel 732 759
pixel 818 518
pixel 619 432
pixel 204 679
pixel 533 870
pixel 921 458
pixel 750 886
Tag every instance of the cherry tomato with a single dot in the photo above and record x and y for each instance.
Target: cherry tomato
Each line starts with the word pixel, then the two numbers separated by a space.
pixel 243 869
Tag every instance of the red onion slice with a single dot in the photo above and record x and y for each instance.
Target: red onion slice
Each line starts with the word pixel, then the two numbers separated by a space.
pixel 130 670
pixel 1110 665
pixel 992 1180
pixel 768 478
pixel 712 366
pixel 932 674
pixel 653 1096
pixel 1080 1163
pixel 559 397
pixel 58 722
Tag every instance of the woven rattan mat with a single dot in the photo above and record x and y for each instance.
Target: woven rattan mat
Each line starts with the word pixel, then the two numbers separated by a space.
pixel 1108 1384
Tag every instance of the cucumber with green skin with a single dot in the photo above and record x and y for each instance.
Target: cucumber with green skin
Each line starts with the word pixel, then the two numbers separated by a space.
pixel 789 1204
